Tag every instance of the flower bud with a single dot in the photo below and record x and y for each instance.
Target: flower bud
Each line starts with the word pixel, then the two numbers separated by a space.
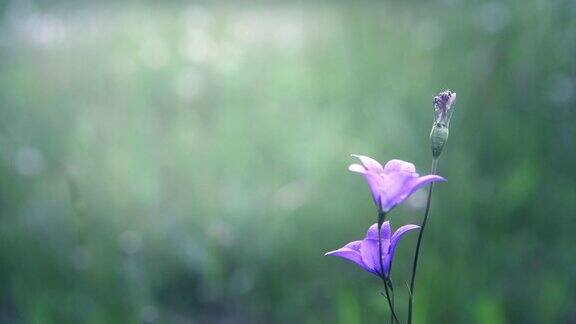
pixel 438 137
pixel 443 109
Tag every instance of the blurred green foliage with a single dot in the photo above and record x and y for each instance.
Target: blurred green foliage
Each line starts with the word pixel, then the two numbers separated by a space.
pixel 186 163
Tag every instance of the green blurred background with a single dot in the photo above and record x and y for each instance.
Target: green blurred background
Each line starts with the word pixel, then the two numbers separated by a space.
pixel 176 162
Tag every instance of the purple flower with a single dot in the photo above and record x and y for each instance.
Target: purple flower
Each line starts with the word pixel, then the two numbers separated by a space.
pixel 393 183
pixel 365 253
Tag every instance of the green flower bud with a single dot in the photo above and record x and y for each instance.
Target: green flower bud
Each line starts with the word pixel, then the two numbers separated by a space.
pixel 438 137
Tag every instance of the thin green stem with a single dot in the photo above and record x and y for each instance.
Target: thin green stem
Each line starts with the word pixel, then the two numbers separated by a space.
pixel 389 296
pixel 419 242
pixel 391 287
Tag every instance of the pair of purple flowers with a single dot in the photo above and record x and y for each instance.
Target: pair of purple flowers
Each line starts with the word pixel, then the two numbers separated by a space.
pixel 390 185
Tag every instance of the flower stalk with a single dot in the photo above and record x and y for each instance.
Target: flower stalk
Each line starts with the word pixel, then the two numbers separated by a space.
pixel 443 109
pixel 419 242
pixel 385 279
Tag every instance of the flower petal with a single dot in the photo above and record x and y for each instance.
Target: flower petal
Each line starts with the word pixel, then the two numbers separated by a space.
pixel 354 245
pixel 397 236
pixel 376 184
pixel 369 253
pixel 369 249
pixel 370 164
pixel 400 186
pixel 372 232
pixel 414 184
pixel 394 189
pixel 350 252
pixel 385 231
pixel 357 168
pixel 399 166
pixel 399 233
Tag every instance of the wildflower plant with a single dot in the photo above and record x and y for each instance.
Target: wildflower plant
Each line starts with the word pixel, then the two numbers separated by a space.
pixel 390 185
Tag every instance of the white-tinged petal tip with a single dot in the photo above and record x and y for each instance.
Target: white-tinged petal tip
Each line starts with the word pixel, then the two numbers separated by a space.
pixel 357 168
